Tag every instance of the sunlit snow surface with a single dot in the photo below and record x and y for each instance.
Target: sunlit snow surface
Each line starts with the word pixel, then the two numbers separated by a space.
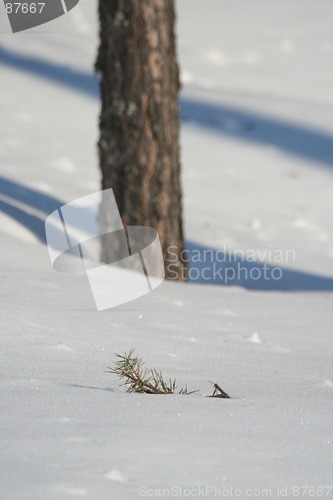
pixel 257 154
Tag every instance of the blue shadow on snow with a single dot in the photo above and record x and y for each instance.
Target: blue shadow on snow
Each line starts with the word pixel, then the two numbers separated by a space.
pixel 297 140
pixel 12 193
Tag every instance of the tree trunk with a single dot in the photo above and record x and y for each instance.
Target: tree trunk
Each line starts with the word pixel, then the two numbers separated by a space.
pixel 139 121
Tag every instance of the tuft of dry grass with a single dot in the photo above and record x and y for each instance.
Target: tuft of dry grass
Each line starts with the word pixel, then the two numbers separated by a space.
pixel 136 378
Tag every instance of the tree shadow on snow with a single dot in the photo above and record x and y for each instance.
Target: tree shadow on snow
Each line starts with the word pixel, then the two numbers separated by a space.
pixel 290 138
pixel 30 208
pixel 77 80
pixel 297 140
pixel 208 266
pixel 25 205
pixel 216 267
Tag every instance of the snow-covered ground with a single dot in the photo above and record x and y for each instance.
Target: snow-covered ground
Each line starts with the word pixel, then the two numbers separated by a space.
pixel 257 145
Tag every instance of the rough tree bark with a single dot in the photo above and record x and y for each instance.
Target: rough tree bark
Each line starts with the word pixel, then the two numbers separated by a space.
pixel 139 121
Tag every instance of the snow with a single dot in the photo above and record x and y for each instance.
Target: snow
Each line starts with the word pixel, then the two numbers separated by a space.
pixel 257 172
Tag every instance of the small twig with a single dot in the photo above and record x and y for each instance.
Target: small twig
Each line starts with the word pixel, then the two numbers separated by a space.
pixel 218 392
